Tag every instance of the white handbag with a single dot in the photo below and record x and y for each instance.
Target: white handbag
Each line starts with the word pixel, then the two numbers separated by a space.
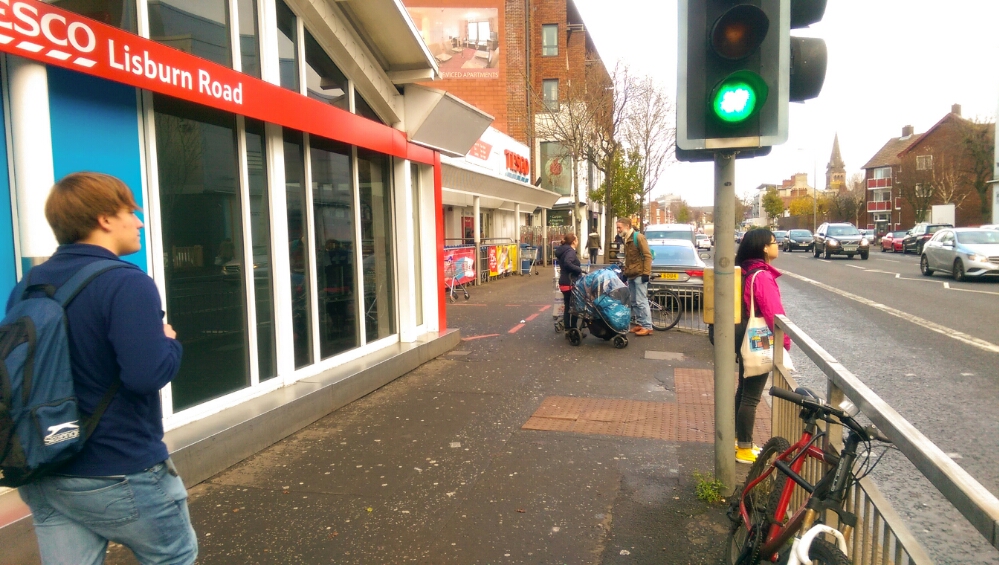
pixel 758 346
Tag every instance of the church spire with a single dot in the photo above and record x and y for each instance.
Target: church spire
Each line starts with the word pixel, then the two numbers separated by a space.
pixel 835 169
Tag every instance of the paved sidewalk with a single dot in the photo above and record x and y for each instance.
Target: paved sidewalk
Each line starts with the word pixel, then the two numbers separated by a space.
pixel 514 448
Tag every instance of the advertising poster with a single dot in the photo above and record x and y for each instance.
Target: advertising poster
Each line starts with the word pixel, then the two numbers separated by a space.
pixel 465 41
pixel 493 264
pixel 462 261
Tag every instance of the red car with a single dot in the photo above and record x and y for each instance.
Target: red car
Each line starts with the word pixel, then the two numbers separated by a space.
pixel 892 241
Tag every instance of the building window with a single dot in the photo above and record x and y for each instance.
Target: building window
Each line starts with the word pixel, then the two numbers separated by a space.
pixel 333 215
pixel 198 27
pixel 260 232
pixel 298 243
pixel 323 79
pixel 881 196
pixel 924 162
pixel 549 91
pixel 202 231
pixel 287 25
pixel 363 109
pixel 923 192
pixel 117 13
pixel 549 40
pixel 556 168
pixel 249 45
pixel 376 244
pixel 882 173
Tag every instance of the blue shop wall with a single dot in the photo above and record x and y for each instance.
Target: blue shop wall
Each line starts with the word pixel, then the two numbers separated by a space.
pixel 8 266
pixel 95 127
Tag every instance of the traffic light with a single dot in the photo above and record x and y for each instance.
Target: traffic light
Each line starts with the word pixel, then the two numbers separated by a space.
pixel 738 68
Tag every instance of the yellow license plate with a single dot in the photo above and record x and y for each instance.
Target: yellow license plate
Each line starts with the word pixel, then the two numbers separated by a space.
pixel 670 276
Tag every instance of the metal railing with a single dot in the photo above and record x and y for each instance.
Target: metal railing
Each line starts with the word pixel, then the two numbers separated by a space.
pixel 881 537
pixel 692 300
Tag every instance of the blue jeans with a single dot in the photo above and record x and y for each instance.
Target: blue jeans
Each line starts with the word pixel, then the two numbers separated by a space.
pixel 640 302
pixel 75 517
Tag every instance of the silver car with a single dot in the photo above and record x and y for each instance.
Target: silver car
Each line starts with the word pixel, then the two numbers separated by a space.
pixel 676 265
pixel 964 253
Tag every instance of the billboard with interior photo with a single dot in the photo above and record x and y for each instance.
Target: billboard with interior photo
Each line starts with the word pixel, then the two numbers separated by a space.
pixel 465 41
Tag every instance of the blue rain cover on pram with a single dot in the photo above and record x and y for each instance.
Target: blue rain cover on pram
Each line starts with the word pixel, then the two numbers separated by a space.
pixel 613 304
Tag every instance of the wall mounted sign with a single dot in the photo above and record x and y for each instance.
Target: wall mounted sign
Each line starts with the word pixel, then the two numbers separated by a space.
pixel 35 30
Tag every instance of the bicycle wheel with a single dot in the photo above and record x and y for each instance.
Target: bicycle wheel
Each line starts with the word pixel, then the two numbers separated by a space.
pixel 744 542
pixel 666 309
pixel 822 552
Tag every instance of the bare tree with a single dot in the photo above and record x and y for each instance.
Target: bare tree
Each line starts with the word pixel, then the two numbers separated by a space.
pixel 950 183
pixel 978 140
pixel 650 130
pixel 611 113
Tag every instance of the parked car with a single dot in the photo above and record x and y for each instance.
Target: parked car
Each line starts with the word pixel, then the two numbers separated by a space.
pixel 676 264
pixel 739 235
pixel 798 239
pixel 990 226
pixel 780 236
pixel 840 239
pixel 869 234
pixel 892 241
pixel 670 231
pixel 703 241
pixel 919 235
pixel 964 253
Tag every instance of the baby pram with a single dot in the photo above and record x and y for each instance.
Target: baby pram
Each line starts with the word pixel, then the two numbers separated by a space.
pixel 600 301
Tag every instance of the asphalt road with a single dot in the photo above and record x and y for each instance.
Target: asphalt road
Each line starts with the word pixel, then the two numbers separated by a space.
pixel 929 346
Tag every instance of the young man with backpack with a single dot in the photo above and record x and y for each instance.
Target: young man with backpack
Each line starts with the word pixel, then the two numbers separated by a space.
pixel 121 485
pixel 637 269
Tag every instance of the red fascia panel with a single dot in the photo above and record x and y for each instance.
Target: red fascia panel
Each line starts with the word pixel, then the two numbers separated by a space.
pixel 58 37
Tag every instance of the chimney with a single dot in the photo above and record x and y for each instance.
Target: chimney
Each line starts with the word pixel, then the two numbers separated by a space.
pixel 955 109
pixel 907 131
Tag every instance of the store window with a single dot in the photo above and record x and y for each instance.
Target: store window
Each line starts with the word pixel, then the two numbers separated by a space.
pixel 556 168
pixel 333 213
pixel 549 40
pixel 117 13
pixel 198 27
pixel 287 26
pixel 260 232
pixel 202 231
pixel 417 244
pixel 323 79
pixel 298 243
pixel 249 44
pixel 376 244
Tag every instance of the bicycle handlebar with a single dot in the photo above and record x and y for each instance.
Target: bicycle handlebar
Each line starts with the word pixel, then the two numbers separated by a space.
pixel 816 404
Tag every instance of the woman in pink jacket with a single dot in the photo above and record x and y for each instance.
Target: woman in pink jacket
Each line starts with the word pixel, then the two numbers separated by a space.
pixel 757 250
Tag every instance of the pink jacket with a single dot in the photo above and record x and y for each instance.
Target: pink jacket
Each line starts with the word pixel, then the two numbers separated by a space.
pixel 766 293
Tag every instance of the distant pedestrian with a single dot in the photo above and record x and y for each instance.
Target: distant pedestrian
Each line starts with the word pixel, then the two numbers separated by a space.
pixel 593 245
pixel 121 486
pixel 570 270
pixel 637 269
pixel 756 251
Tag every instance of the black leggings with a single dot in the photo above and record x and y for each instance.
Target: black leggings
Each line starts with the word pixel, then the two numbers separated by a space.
pixel 593 256
pixel 568 320
pixel 747 398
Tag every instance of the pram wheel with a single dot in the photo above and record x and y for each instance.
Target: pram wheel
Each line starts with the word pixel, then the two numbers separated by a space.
pixel 466 295
pixel 575 338
pixel 620 341
pixel 559 327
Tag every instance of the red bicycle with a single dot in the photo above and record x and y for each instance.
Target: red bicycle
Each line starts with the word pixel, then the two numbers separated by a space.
pixel 765 522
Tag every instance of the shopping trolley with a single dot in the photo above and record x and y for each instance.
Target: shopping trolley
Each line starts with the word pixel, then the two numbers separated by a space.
pixel 454 278
pixel 528 260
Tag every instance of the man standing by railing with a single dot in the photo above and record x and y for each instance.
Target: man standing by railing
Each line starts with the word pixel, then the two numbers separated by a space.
pixel 637 269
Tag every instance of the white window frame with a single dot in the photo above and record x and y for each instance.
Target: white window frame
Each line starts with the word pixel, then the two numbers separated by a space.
pixel 881 172
pixel 924 162
pixel 544 46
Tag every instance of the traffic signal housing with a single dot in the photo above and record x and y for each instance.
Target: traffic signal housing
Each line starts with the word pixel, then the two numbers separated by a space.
pixel 738 68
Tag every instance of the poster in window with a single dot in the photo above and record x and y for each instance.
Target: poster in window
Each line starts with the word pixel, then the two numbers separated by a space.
pixel 465 41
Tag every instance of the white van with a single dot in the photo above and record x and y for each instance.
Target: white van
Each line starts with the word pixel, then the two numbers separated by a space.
pixel 671 231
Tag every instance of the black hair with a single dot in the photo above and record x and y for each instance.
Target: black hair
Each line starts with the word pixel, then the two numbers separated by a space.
pixel 754 245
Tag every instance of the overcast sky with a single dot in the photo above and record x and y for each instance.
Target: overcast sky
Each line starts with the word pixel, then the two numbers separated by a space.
pixel 891 63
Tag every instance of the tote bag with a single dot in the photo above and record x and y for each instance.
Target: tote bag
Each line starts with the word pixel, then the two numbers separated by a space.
pixel 758 345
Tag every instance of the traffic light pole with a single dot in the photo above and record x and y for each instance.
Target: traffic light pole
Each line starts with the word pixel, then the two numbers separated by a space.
pixel 725 319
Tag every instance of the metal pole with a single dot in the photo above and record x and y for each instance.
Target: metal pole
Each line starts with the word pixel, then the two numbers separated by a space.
pixel 477 239
pixel 725 320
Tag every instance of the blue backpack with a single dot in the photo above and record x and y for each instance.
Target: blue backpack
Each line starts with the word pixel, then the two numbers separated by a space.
pixel 40 424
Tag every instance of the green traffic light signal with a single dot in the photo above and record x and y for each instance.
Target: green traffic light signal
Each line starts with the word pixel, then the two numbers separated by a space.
pixel 738 97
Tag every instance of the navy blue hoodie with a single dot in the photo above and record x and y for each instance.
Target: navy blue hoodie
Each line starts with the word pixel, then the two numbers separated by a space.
pixel 115 328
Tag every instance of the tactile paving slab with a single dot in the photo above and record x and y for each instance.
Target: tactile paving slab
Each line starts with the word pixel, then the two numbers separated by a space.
pixel 691 418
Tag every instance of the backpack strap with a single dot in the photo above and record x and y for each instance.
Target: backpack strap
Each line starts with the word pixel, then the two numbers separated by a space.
pixel 69 289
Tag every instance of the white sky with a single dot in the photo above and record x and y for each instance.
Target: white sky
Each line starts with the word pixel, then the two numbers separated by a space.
pixel 891 63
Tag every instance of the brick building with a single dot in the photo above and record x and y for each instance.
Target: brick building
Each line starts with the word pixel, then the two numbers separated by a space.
pixel 912 173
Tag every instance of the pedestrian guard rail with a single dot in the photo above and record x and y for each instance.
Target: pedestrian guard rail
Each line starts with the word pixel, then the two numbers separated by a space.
pixel 881 536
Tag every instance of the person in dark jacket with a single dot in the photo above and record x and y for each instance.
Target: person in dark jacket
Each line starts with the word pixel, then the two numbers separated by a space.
pixel 570 270
pixel 756 251
pixel 122 486
pixel 593 245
